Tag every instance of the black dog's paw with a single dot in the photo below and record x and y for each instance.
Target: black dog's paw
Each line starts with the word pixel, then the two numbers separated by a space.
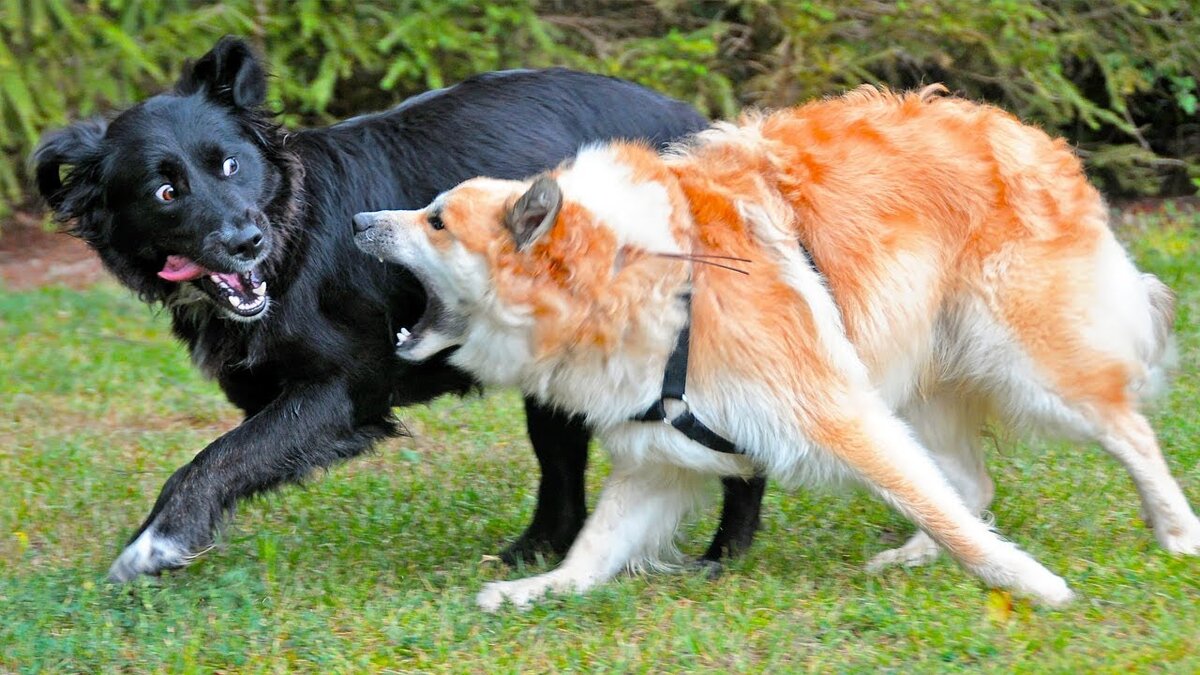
pixel 534 544
pixel 709 568
pixel 548 541
pixel 151 554
pixel 527 549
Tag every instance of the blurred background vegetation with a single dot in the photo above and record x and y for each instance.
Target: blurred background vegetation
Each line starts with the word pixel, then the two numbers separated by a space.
pixel 1117 77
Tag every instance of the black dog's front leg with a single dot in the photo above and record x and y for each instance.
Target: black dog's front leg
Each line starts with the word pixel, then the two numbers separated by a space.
pixel 306 428
pixel 561 445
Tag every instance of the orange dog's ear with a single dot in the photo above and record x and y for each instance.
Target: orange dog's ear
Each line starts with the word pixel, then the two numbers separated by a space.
pixel 535 212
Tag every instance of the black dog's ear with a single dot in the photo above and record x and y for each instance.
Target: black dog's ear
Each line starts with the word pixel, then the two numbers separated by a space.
pixel 535 212
pixel 76 147
pixel 229 73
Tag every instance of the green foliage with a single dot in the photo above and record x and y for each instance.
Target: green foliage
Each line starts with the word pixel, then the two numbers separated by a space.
pixel 1115 76
pixel 1118 77
pixel 61 60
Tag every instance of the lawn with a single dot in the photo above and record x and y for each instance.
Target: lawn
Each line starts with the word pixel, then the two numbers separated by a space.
pixel 374 565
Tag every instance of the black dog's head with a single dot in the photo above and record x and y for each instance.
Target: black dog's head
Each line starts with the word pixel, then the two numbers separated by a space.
pixel 174 193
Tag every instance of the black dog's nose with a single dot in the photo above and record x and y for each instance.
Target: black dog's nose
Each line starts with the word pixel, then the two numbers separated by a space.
pixel 246 243
pixel 363 222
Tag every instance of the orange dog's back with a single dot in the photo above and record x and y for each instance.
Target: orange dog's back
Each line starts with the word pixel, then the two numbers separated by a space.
pixel 918 210
pixel 970 262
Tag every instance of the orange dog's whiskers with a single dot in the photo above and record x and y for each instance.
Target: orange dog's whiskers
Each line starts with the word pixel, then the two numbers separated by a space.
pixel 705 259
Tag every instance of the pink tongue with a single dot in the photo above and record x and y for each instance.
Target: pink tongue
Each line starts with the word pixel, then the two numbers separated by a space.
pixel 180 268
pixel 233 280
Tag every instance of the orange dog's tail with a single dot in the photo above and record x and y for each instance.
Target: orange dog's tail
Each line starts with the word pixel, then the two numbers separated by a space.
pixel 1162 358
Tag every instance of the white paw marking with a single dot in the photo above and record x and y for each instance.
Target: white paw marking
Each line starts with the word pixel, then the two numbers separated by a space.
pixel 520 593
pixel 1051 592
pixel 918 550
pixel 1184 541
pixel 148 554
pixel 1032 580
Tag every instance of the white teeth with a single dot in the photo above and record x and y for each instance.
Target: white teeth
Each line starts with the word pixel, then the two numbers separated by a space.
pixel 381 259
pixel 245 306
pixel 403 336
pixel 261 289
pixel 233 300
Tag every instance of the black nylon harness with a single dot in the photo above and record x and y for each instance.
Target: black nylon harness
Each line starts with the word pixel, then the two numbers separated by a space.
pixel 674 389
pixel 675 385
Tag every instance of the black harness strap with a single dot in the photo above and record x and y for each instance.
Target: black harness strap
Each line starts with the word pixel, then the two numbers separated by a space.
pixel 675 385
pixel 673 389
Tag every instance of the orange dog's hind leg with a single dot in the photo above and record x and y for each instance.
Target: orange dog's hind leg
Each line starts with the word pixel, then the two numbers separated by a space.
pixel 1094 336
pixel 1126 435
pixel 880 449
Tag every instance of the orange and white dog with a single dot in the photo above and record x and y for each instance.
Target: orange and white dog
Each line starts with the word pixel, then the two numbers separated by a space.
pixel 962 270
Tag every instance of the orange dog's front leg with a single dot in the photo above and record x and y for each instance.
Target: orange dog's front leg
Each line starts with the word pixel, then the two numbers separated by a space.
pixel 632 527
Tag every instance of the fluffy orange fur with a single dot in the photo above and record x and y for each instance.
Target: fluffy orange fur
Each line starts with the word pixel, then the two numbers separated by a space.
pixel 880 187
pixel 877 183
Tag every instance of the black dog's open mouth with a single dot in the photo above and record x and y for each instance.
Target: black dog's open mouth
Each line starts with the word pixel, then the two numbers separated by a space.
pixel 242 293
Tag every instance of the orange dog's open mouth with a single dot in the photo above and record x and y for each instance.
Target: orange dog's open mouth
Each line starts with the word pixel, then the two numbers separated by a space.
pixel 408 340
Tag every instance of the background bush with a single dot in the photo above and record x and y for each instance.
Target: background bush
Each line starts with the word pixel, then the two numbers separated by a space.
pixel 1118 77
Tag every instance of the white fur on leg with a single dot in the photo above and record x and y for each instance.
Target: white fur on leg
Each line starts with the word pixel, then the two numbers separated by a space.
pixel 899 469
pixel 1010 567
pixel 632 527
pixel 150 553
pixel 919 550
pixel 522 593
pixel 1164 506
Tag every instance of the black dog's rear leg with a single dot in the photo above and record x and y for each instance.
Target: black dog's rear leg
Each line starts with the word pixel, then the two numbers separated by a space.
pixel 306 428
pixel 561 444
pixel 739 521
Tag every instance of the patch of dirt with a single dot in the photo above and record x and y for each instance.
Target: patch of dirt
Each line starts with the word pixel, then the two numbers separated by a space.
pixel 1130 216
pixel 31 257
pixel 1154 205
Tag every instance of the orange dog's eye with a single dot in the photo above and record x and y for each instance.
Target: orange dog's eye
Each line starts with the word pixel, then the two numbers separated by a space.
pixel 435 221
pixel 165 192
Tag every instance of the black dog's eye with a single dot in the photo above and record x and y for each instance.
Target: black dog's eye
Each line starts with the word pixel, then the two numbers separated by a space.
pixel 230 166
pixel 165 192
pixel 435 221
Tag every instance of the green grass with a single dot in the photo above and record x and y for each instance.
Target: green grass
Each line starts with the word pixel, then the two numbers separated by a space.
pixel 374 566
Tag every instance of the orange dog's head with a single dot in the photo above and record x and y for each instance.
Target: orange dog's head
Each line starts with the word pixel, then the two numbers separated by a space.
pixel 523 266
pixel 449 246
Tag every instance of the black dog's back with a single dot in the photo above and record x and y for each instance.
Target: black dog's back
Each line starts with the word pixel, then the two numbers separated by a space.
pixel 508 124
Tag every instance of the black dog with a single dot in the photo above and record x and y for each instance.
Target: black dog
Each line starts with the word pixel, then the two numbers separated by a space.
pixel 197 200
